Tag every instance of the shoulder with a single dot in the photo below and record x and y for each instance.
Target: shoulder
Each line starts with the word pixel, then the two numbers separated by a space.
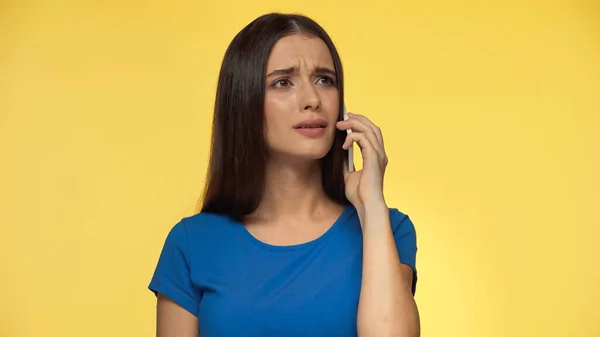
pixel 204 221
pixel 404 231
pixel 399 219
pixel 200 227
pixel 208 225
pixel 396 214
pixel 406 241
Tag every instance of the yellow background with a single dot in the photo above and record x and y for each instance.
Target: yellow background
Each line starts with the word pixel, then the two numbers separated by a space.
pixel 490 112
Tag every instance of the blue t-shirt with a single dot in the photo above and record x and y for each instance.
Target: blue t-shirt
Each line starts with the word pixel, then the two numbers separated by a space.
pixel 239 286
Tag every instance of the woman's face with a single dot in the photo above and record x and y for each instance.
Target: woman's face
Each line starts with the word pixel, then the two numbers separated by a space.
pixel 301 100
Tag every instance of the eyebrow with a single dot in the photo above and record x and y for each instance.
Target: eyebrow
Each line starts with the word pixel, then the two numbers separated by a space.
pixel 292 70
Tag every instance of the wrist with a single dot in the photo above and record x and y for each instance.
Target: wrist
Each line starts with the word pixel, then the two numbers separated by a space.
pixel 373 208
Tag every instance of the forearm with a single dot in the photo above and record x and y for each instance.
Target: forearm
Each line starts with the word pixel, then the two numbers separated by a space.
pixel 386 305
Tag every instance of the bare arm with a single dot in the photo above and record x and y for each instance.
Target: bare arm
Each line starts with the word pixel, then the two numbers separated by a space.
pixel 174 321
pixel 386 306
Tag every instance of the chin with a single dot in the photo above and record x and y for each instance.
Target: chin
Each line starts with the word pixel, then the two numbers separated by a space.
pixel 313 153
pixel 300 155
pixel 302 150
pixel 313 156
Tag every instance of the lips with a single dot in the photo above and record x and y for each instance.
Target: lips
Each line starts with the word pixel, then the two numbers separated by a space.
pixel 311 124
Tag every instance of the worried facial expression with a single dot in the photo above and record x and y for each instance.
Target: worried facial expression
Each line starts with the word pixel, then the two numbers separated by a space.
pixel 302 98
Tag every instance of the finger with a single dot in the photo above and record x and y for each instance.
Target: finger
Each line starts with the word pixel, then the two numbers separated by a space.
pixel 366 147
pixel 359 126
pixel 376 131
pixel 370 124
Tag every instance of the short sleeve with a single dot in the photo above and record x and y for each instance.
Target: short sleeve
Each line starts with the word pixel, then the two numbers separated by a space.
pixel 406 241
pixel 172 274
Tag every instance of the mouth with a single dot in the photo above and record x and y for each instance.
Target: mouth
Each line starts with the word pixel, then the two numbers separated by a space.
pixel 311 127
pixel 311 124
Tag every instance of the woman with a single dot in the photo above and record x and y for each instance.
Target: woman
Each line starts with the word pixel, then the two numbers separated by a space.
pixel 288 242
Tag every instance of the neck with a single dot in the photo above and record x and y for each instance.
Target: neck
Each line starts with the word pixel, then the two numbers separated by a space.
pixel 292 190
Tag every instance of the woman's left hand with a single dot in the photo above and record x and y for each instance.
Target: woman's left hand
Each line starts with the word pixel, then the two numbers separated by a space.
pixel 365 187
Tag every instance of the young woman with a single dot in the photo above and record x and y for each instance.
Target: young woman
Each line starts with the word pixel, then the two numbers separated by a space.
pixel 288 242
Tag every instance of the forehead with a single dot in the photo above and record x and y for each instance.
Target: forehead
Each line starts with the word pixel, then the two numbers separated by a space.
pixel 299 50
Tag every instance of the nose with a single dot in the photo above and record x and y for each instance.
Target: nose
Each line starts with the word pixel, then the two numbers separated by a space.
pixel 311 100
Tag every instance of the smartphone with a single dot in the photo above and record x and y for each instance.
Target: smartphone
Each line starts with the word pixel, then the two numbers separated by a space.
pixel 351 149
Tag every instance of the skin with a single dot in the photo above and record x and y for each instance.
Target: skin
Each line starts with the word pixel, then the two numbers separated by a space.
pixel 295 208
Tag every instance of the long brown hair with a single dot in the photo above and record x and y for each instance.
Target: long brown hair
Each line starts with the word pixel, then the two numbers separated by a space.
pixel 236 174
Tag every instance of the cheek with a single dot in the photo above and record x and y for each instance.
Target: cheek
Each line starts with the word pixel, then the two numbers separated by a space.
pixel 276 120
pixel 274 117
pixel 273 127
pixel 279 108
pixel 330 101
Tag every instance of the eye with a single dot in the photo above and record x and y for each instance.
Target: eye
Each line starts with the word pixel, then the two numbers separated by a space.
pixel 281 83
pixel 326 80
